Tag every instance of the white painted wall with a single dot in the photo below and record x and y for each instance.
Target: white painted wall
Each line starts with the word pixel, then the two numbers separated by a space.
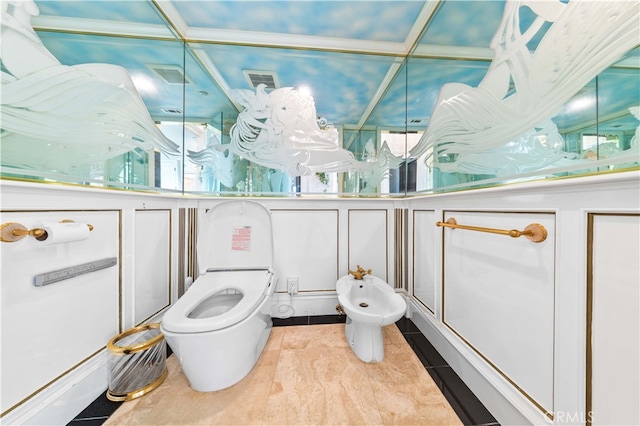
pixel 312 242
pixel 548 287
pixel 306 248
pixel 499 296
pixel 422 249
pixel 53 355
pixel 369 241
pixel 615 320
pixel 50 329
pixel 152 265
pixel 318 240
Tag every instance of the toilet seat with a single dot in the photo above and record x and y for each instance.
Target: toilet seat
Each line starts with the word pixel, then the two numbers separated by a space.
pixel 254 284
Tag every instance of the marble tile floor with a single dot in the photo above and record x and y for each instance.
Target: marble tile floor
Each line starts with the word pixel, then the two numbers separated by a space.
pixel 309 375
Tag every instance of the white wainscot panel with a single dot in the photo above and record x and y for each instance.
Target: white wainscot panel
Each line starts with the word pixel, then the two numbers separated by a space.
pixel 615 321
pixel 423 257
pixel 152 262
pixel 306 247
pixel 368 241
pixel 48 330
pixel 499 297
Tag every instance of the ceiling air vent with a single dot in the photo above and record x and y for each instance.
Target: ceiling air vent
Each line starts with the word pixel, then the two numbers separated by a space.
pixel 171 110
pixel 268 78
pixel 172 74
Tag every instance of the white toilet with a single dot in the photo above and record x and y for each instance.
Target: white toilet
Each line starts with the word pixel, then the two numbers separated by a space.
pixel 370 304
pixel 220 326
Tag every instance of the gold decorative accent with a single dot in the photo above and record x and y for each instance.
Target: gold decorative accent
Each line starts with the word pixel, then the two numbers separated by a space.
pixel 549 414
pixel 13 231
pixel 359 273
pixel 126 350
pixel 139 392
pixel 401 260
pixel 589 322
pixel 589 314
pixel 533 232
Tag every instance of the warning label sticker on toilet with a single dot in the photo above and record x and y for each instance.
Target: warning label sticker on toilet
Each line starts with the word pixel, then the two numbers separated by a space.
pixel 241 239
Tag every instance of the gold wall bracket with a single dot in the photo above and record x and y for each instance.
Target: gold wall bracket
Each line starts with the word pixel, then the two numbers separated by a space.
pixel 12 231
pixel 533 232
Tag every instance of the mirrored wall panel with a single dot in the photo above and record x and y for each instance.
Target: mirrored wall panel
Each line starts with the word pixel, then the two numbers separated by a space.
pixel 350 98
pixel 541 90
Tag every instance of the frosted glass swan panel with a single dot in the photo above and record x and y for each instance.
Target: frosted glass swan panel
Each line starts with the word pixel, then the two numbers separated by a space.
pixel 281 130
pixel 503 125
pixel 58 117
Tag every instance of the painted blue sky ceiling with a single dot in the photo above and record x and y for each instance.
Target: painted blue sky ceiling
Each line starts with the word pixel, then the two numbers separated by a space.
pixel 457 23
pixel 139 11
pixel 137 56
pixel 472 23
pixel 335 79
pixel 346 85
pixel 365 20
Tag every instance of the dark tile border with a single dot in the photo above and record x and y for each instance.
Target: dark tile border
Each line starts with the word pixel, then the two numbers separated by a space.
pixel 96 413
pixel 309 320
pixel 466 405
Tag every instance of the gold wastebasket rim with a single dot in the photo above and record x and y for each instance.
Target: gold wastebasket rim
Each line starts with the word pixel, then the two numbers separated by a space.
pixel 125 350
pixel 138 392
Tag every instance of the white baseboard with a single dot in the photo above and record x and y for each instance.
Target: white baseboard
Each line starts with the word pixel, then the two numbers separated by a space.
pixel 304 304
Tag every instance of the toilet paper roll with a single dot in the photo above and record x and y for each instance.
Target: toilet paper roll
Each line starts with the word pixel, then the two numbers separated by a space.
pixel 57 232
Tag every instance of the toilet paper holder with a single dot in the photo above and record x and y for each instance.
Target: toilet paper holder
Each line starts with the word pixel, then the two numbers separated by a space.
pixel 13 231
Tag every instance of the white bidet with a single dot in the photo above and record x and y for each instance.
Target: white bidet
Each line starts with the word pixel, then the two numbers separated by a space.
pixel 370 304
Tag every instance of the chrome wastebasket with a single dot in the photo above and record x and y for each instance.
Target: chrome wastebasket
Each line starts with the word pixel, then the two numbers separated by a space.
pixel 137 363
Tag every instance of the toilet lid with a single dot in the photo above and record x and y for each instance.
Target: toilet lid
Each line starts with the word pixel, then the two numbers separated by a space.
pixel 235 234
pixel 253 284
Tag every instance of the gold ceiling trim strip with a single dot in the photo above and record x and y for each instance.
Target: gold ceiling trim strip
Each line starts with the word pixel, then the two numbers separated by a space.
pixel 426 23
pixel 399 55
pixel 225 37
pixel 104 34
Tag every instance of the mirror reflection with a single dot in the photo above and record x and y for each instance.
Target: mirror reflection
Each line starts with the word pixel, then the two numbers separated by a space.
pixel 379 98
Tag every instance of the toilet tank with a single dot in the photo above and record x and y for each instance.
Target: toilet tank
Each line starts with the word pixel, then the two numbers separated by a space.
pixel 235 234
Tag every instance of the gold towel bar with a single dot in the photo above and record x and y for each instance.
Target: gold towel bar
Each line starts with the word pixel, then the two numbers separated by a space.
pixel 534 232
pixel 13 231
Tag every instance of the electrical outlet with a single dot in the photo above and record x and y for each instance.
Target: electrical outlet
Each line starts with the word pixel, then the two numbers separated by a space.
pixel 292 285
